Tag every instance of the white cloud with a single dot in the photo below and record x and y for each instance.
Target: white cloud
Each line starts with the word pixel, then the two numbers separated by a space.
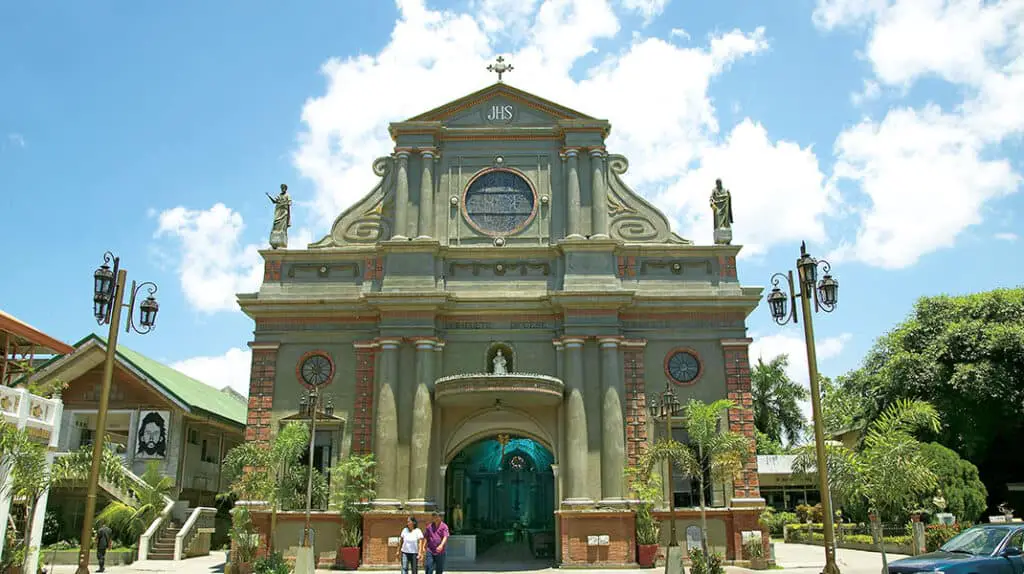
pixel 230 369
pixel 870 92
pixel 649 9
pixel 664 123
pixel 791 343
pixel 214 266
pixel 1011 237
pixel 929 172
pixel 13 140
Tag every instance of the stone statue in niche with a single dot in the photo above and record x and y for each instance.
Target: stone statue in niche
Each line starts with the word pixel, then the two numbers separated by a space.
pixel 282 218
pixel 499 364
pixel 721 209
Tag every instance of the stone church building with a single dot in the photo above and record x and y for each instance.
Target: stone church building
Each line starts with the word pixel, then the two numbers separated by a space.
pixel 490 321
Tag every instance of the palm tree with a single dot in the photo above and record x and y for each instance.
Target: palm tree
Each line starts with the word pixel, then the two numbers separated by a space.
pixel 275 462
pixel 131 520
pixel 777 399
pixel 710 451
pixel 30 473
pixel 890 471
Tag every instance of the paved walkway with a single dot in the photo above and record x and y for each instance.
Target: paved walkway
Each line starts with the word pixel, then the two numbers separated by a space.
pixel 793 558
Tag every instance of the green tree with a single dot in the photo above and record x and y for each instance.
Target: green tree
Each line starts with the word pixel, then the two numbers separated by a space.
pixel 270 471
pixel 709 452
pixel 766 445
pixel 130 521
pixel 30 472
pixel 842 408
pixel 958 483
pixel 777 399
pixel 965 355
pixel 356 486
pixel 890 472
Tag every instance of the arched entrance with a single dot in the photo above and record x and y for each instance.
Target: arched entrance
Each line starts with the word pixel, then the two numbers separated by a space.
pixel 501 490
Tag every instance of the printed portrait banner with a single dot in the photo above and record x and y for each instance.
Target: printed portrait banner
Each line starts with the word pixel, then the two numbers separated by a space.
pixel 151 441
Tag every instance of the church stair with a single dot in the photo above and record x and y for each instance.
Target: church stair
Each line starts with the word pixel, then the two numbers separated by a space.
pixel 163 546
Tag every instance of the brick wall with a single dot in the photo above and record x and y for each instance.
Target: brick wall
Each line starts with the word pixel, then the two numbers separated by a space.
pixel 377 528
pixel 362 427
pixel 575 527
pixel 741 417
pixel 636 400
pixel 261 392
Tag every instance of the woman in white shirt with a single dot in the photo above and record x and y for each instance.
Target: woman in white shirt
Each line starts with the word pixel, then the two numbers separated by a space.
pixel 412 546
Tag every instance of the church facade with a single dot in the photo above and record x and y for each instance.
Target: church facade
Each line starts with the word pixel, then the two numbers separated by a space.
pixel 491 321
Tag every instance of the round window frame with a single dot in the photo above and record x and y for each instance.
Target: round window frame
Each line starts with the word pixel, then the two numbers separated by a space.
pixel 522 227
pixel 308 355
pixel 692 353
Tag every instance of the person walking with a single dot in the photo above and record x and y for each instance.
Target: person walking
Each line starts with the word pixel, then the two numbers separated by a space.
pixel 437 542
pixel 412 546
pixel 103 535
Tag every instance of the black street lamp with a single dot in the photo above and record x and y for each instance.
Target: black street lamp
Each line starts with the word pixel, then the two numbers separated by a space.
pixel 663 408
pixel 108 301
pixel 824 295
pixel 310 405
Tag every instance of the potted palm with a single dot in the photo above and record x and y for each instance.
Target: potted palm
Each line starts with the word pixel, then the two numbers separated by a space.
pixel 245 541
pixel 753 548
pixel 645 487
pixel 357 483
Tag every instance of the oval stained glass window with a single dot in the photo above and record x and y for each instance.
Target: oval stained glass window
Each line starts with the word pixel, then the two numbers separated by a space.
pixel 499 202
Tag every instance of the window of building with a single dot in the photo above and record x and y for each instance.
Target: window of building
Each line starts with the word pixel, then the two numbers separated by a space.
pixel 686 490
pixel 193 436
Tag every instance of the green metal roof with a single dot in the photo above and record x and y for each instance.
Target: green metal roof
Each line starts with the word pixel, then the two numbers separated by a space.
pixel 196 394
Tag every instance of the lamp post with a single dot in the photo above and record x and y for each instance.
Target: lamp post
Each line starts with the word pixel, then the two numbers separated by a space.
pixel 665 407
pixel 309 404
pixel 108 300
pixel 824 295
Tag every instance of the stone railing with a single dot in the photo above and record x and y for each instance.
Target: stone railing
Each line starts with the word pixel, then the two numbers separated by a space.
pixel 194 537
pixel 155 529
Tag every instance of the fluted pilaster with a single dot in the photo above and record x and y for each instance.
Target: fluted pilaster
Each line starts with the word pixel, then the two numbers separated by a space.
pixel 573 206
pixel 599 192
pixel 426 227
pixel 402 196
pixel 613 436
pixel 422 423
pixel 575 463
pixel 385 430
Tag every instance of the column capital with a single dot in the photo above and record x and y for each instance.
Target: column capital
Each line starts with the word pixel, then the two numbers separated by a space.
pixel 573 342
pixel 559 345
pixel 389 343
pixel 597 152
pixel 264 345
pixel 402 153
pixel 427 152
pixel 736 342
pixel 609 341
pixel 423 343
pixel 569 152
pixel 438 344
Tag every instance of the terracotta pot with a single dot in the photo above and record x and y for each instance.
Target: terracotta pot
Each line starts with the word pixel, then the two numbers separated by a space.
pixel 242 568
pixel 646 554
pixel 759 563
pixel 348 557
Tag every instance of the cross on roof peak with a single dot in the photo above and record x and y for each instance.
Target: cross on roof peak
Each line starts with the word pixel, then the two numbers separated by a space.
pixel 500 67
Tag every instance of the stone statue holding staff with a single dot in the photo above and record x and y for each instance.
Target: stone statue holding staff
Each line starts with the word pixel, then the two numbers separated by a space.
pixel 282 218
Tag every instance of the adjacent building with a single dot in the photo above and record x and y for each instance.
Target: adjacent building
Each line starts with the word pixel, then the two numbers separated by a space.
pixel 491 321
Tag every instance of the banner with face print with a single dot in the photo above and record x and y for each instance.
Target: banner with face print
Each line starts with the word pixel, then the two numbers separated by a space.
pixel 152 437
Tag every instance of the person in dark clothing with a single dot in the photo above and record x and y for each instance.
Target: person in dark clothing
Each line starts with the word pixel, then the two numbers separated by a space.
pixel 103 536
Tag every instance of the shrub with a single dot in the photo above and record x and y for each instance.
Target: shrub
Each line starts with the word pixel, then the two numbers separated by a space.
pixel 805 513
pixel 935 535
pixel 776 522
pixel 701 563
pixel 273 564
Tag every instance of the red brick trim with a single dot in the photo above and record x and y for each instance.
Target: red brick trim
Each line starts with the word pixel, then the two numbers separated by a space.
pixel 636 400
pixel 727 266
pixel 271 270
pixel 695 354
pixel 261 393
pixel 373 269
pixel 627 266
pixel 576 527
pixel 741 417
pixel 362 428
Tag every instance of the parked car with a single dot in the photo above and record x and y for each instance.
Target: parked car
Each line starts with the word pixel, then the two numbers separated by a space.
pixel 985 549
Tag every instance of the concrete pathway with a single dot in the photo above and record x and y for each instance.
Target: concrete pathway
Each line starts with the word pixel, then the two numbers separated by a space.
pixel 808 559
pixel 211 564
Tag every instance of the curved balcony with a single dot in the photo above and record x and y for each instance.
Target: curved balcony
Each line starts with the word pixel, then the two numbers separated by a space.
pixel 513 389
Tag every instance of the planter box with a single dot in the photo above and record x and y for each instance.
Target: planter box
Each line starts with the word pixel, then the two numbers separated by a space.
pixel 348 557
pixel 646 554
pixel 64 557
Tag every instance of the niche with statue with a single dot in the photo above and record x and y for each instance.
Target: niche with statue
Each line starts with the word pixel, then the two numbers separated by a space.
pixel 500 359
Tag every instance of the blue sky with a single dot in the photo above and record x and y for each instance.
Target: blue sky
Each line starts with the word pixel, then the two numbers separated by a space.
pixel 885 132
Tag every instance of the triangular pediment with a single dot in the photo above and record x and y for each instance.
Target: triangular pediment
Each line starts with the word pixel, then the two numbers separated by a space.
pixel 476 107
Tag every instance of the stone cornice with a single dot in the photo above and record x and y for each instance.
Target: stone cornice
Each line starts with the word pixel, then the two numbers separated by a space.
pixel 409 246
pixel 580 300
pixel 589 245
pixel 264 345
pixel 737 342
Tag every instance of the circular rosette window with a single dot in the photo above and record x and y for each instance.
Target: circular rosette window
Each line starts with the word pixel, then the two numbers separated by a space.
pixel 499 202
pixel 315 369
pixel 683 367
